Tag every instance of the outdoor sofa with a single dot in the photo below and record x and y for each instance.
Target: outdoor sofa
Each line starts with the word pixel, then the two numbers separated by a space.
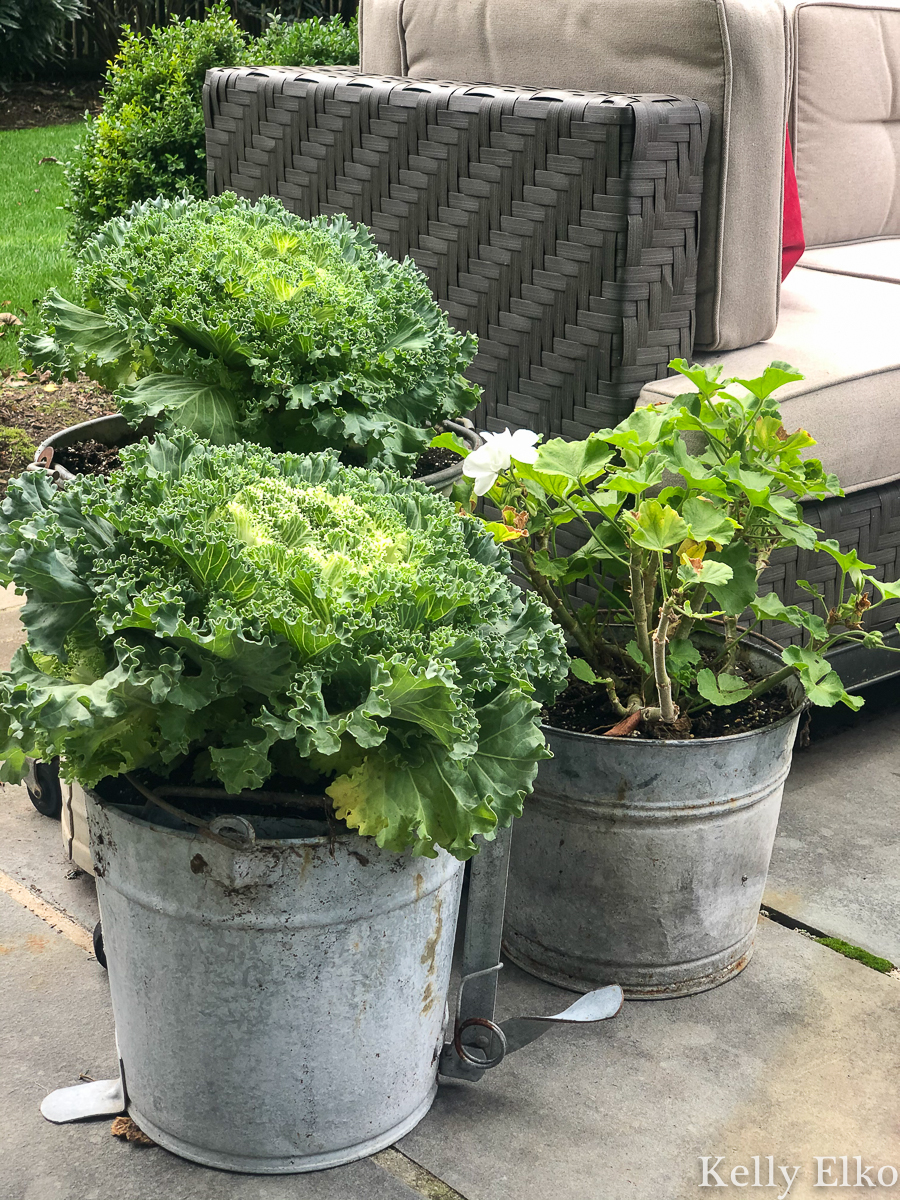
pixel 574 332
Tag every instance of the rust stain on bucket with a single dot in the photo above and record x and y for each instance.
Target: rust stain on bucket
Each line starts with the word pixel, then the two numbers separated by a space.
pixel 428 956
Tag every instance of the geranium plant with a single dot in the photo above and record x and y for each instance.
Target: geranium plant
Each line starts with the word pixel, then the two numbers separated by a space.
pixel 241 321
pixel 678 510
pixel 234 615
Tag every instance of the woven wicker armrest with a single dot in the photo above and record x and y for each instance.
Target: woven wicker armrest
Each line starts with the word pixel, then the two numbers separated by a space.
pixel 561 227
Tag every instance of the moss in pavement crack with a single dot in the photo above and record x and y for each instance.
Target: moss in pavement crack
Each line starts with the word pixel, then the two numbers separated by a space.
pixel 856 952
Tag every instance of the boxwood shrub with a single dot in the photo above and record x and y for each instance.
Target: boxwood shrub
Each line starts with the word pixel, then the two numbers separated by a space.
pixel 149 138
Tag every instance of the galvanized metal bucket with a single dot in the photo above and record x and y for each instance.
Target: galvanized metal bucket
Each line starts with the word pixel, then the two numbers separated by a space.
pixel 644 862
pixel 114 430
pixel 279 1005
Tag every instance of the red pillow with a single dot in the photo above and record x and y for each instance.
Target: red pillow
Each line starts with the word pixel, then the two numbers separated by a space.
pixel 792 243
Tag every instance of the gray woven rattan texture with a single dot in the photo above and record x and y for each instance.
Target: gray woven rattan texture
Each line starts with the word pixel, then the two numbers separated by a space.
pixel 561 227
pixel 868 522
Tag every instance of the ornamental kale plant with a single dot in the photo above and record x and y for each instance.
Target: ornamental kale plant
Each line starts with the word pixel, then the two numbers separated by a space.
pixel 240 321
pixel 680 508
pixel 236 613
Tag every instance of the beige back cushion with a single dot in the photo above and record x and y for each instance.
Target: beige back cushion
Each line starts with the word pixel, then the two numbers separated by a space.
pixel 845 120
pixel 734 54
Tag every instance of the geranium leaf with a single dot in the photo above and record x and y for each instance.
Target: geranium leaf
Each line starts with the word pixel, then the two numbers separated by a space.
pixel 636 481
pixel 504 533
pixel 657 527
pixel 708 523
pixel 821 682
pixel 722 689
pixel 888 591
pixel 735 594
pixel 776 375
pixel 451 441
pixel 693 471
pixel 711 573
pixel 847 560
pixel 705 379
pixel 584 671
pixel 771 608
pixel 633 651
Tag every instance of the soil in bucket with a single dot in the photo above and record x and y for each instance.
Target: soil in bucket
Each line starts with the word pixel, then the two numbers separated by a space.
pixel 583 708
pixel 435 459
pixel 89 458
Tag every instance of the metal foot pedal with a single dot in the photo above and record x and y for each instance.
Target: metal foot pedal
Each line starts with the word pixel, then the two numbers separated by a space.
pixel 100 1098
pixel 479 1042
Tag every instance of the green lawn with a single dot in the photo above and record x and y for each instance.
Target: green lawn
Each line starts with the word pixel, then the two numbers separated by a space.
pixel 32 225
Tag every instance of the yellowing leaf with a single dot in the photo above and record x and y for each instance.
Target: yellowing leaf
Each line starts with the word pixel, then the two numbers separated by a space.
pixel 503 533
pixel 656 526
pixel 692 552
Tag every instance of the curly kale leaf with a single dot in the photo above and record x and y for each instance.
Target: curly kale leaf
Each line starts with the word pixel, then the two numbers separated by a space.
pixel 234 613
pixel 244 322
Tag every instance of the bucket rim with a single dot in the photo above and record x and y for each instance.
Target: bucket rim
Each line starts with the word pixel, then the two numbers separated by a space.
pixel 349 835
pixel 794 715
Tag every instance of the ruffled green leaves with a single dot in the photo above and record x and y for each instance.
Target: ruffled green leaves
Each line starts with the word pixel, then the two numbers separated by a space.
pixel 446 800
pixel 232 612
pixel 209 410
pixel 239 321
pixel 73 337
pixel 59 602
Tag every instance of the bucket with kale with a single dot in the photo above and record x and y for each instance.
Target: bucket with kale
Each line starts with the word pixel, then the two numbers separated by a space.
pixel 297 695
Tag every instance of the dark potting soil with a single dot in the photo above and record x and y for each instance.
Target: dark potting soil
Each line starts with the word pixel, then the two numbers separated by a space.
pixel 89 458
pixel 50 102
pixel 95 458
pixel 33 406
pixel 434 459
pixel 584 708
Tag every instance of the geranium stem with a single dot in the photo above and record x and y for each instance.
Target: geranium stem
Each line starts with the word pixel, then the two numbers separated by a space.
pixel 667 710
pixel 770 681
pixel 639 605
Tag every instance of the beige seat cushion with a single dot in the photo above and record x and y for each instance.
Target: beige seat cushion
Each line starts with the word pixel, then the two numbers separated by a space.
pixel 868 260
pixel 733 54
pixel 842 332
pixel 845 119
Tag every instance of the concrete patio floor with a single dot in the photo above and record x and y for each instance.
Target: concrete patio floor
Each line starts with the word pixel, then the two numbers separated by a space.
pixel 796 1058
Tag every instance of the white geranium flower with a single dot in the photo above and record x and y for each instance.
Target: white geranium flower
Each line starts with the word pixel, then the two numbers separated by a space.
pixel 498 451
